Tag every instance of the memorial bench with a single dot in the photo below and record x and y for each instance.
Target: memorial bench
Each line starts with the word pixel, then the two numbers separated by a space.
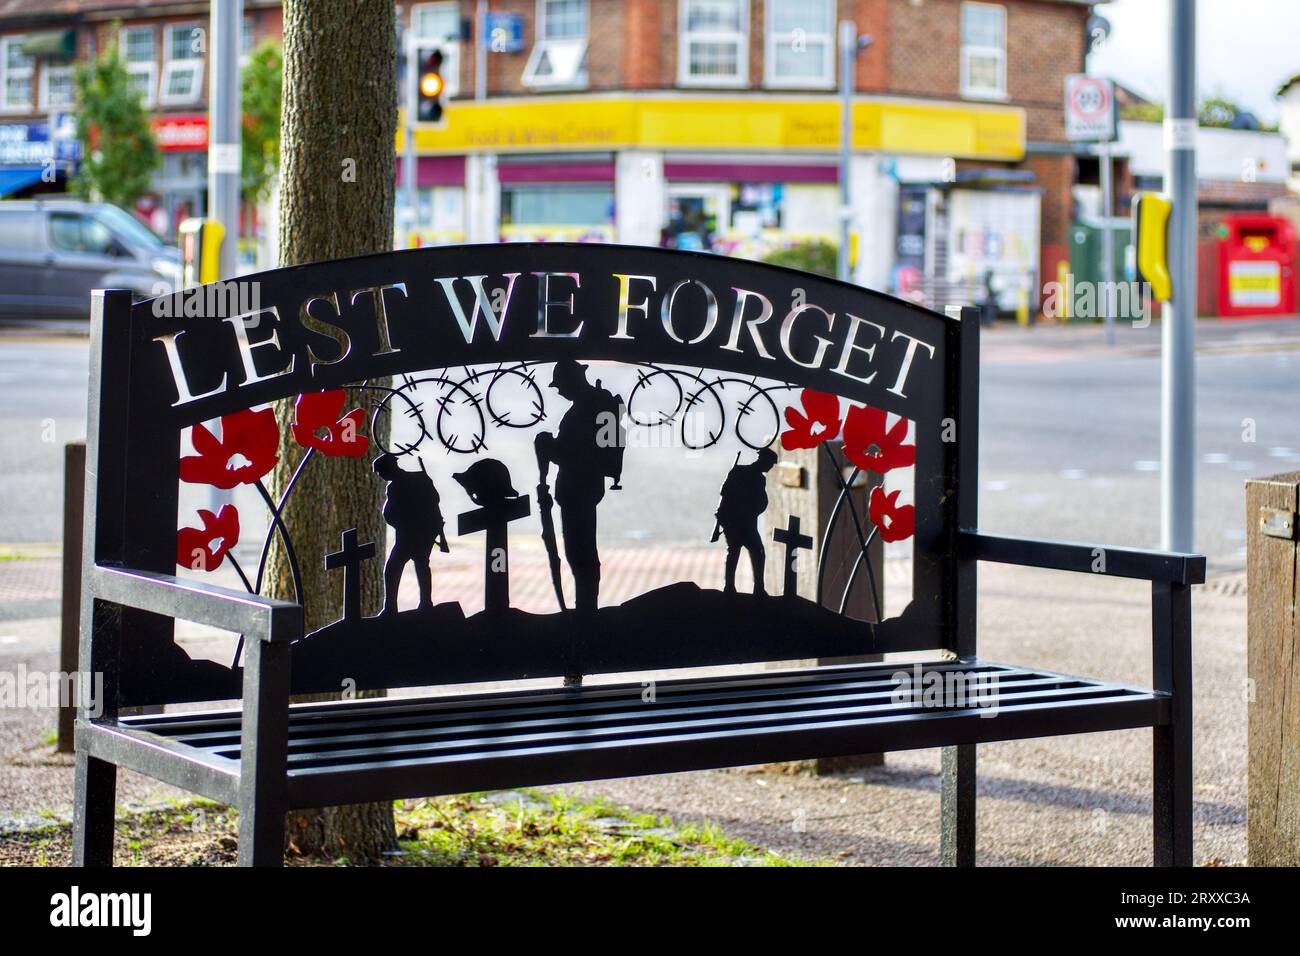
pixel 496 317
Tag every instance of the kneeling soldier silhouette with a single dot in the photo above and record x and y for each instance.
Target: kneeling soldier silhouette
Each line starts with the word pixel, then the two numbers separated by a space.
pixel 411 508
pixel 743 501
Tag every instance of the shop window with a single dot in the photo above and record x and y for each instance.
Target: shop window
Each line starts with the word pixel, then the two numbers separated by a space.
pixel 439 23
pixel 557 206
pixel 559 57
pixel 713 43
pixel 137 51
pixel 800 43
pixel 16 85
pixel 56 87
pixel 983 50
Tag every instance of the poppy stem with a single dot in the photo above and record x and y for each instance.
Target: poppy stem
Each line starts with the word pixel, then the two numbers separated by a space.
pixel 239 645
pixel 276 511
pixel 284 536
pixel 863 541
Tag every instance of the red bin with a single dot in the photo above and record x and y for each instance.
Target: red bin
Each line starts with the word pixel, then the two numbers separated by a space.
pixel 1256 266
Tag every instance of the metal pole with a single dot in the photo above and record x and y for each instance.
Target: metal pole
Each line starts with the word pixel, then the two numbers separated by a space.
pixel 848 56
pixel 481 40
pixel 410 172
pixel 224 120
pixel 1106 299
pixel 1178 330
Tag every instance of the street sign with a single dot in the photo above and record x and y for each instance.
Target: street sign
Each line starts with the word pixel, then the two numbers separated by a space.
pixel 1090 110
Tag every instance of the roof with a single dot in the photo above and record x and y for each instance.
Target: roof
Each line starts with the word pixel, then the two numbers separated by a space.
pixel 38 10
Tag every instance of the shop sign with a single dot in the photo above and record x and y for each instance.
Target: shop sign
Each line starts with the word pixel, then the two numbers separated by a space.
pixel 185 132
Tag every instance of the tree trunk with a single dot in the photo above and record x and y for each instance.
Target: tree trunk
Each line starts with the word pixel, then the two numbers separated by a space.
pixel 337 168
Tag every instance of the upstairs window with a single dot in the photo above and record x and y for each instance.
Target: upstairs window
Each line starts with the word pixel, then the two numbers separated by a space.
pixel 984 51
pixel 801 43
pixel 713 43
pixel 16 71
pixel 57 89
pixel 182 80
pixel 137 45
pixel 559 58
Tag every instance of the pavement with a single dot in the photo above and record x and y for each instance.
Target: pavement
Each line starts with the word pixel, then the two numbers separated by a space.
pixel 1056 461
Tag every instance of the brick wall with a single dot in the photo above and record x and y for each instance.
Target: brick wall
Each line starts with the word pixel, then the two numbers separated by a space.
pixel 1045 42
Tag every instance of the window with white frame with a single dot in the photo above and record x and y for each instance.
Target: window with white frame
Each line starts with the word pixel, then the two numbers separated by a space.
pixel 182 79
pixel 439 24
pixel 56 87
pixel 800 43
pixel 16 71
pixel 713 43
pixel 138 52
pixel 559 57
pixel 984 50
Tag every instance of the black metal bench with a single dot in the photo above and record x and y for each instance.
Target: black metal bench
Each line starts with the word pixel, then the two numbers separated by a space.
pixel 162 366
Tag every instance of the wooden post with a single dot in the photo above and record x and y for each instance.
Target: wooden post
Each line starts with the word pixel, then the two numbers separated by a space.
pixel 804 485
pixel 74 505
pixel 1273 667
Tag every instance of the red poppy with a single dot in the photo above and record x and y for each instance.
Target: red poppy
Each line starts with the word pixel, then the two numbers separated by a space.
pixel 819 421
pixel 318 412
pixel 896 522
pixel 864 428
pixel 248 449
pixel 203 549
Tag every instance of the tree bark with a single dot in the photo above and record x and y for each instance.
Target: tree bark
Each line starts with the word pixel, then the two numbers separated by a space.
pixel 337 168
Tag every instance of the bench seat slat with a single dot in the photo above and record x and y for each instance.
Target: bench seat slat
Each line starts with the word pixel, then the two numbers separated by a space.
pixel 575 716
pixel 384 748
pixel 504 717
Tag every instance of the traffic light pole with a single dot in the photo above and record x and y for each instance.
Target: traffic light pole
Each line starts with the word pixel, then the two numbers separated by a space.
pixel 1178 330
pixel 409 165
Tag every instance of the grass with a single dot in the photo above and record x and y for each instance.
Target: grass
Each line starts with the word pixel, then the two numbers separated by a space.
pixel 515 828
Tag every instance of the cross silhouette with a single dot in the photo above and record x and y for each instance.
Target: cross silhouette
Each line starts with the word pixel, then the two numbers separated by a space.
pixel 349 558
pixel 496 568
pixel 793 541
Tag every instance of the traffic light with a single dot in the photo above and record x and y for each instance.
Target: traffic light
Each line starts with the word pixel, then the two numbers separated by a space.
pixel 430 86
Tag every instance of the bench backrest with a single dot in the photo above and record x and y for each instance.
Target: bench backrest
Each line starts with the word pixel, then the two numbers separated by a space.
pixel 172 363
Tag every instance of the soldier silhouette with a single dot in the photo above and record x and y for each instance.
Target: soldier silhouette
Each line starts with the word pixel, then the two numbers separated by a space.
pixel 411 508
pixel 743 501
pixel 586 449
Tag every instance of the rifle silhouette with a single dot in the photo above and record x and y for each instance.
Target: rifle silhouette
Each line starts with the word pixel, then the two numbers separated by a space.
pixel 442 529
pixel 544 505
pixel 717 523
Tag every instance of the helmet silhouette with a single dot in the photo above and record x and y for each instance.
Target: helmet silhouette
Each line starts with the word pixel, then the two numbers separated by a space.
pixel 487 482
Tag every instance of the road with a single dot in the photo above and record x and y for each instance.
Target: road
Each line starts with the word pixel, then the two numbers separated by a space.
pixel 1069 439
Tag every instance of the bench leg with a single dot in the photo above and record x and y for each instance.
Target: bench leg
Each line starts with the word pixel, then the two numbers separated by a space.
pixel 261 833
pixel 957 806
pixel 1171 769
pixel 1172 803
pixel 94 804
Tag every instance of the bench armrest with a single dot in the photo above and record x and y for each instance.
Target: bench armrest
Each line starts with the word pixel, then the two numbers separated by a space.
pixel 1157 566
pixel 267 619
